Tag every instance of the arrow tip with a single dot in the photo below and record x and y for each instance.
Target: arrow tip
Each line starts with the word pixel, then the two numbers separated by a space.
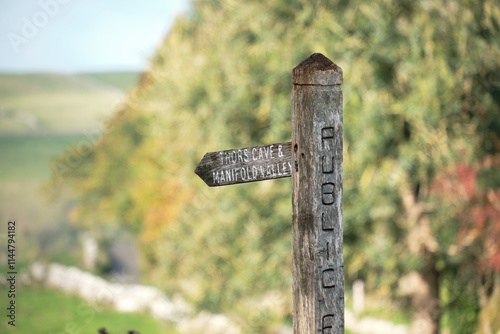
pixel 201 170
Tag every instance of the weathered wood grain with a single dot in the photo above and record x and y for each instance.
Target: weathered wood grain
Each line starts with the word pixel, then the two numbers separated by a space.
pixel 317 227
pixel 247 164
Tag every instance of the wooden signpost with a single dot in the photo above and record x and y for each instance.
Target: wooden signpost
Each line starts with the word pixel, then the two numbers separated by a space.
pixel 314 160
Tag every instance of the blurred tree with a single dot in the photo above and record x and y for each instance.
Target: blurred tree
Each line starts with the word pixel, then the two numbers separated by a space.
pixel 422 147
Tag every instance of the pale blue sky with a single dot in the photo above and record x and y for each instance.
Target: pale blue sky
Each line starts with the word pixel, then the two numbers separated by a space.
pixel 71 36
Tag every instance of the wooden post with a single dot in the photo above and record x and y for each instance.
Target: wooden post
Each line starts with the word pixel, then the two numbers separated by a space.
pixel 317 227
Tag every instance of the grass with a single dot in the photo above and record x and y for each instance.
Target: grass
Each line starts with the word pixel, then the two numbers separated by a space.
pixel 41 310
pixel 26 158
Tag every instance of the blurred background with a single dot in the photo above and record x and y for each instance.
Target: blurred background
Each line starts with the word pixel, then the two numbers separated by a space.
pixel 106 107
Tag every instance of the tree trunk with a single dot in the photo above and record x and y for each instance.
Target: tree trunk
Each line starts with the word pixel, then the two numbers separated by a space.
pixel 425 300
pixel 424 289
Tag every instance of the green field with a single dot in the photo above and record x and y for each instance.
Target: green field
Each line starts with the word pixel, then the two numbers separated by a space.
pixel 121 80
pixel 59 104
pixel 41 310
pixel 26 158
pixel 40 116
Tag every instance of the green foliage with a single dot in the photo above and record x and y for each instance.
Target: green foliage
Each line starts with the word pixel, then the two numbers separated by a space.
pixel 460 298
pixel 421 97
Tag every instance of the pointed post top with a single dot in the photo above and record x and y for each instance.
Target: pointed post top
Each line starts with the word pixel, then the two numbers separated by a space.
pixel 317 70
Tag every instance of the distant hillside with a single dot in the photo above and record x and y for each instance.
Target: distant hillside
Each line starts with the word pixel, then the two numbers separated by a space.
pixel 40 116
pixel 121 80
pixel 59 104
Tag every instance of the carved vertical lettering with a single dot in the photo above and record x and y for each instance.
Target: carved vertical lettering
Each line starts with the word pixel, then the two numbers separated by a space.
pixel 326 224
pixel 327 168
pixel 328 251
pixel 328 196
pixel 327 134
pixel 328 278
pixel 327 323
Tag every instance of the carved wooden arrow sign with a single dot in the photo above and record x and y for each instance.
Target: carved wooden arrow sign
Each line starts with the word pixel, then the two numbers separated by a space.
pixel 247 164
